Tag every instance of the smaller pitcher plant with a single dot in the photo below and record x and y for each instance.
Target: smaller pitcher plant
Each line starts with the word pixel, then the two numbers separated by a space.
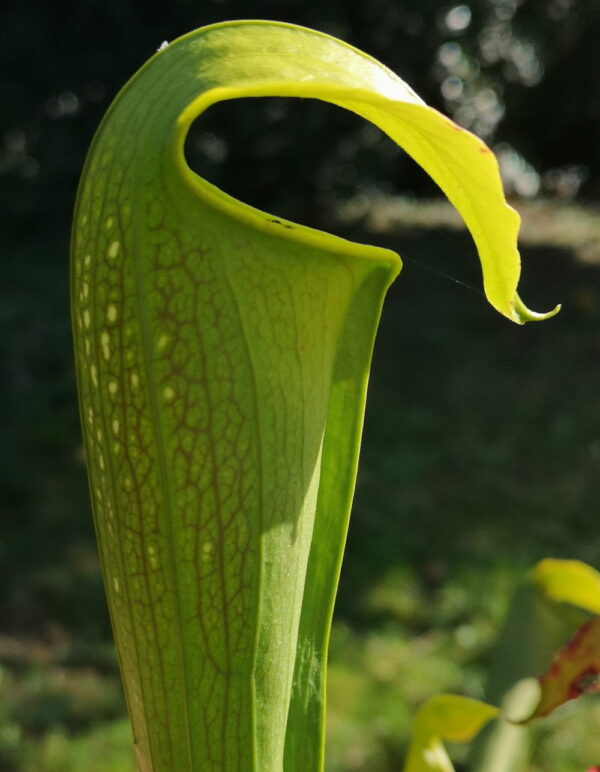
pixel 222 363
pixel 548 654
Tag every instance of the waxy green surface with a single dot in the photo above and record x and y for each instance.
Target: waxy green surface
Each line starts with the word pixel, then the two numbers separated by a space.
pixel 222 359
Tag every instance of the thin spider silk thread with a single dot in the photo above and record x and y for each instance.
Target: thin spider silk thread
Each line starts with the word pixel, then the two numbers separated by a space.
pixel 443 275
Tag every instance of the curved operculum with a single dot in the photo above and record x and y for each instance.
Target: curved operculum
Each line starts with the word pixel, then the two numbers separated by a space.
pixel 459 162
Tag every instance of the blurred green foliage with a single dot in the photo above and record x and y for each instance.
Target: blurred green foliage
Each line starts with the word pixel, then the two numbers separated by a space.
pixel 453 502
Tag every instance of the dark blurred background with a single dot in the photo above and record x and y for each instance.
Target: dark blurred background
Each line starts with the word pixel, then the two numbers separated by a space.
pixel 482 441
